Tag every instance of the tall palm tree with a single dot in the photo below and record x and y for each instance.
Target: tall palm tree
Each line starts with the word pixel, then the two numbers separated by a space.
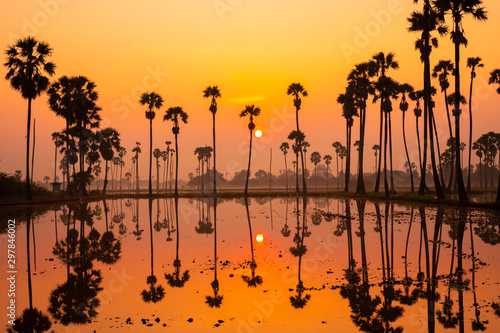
pixel 416 96
pixel 376 150
pixel 337 146
pixel 495 79
pixel 472 63
pixel 28 68
pixel 137 150
pixel 426 22
pixel 284 148
pixel 315 159
pixel 109 143
pixel 386 88
pixel 157 154
pixel 441 71
pixel 252 111
pixel 360 80
pixel 214 93
pixel 176 114
pixel 298 91
pixel 349 111
pixel 458 9
pixel 382 63
pixel 406 89
pixel 153 101
pixel 328 160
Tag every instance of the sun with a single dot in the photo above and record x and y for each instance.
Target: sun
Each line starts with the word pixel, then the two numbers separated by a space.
pixel 258 133
pixel 259 238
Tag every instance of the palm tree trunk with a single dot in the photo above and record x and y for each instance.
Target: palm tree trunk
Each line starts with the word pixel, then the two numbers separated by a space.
pixel 299 144
pixel 348 157
pixel 105 178
pixel 452 169
pixel 327 177
pixel 393 190
pixel 157 176
pixel 215 169
pixel 136 171
pixel 28 183
pixel 441 174
pixel 150 154
pixel 437 184
pixel 286 174
pixel 360 188
pixel 419 147
pixel 248 169
pixel 377 181
pixel 462 193
pixel 337 171
pixel 386 183
pixel 176 165
pixel 33 150
pixel 407 157
pixel 470 131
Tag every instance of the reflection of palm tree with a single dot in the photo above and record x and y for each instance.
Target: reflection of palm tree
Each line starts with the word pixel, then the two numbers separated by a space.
pixel 254 280
pixel 216 299
pixel 32 319
pixel 300 300
pixel 286 231
pixel 155 293
pixel 174 279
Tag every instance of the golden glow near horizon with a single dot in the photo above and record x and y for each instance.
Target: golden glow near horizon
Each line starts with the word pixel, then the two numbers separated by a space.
pixel 252 50
pixel 258 133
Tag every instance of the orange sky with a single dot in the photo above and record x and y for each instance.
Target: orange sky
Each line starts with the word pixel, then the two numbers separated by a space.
pixel 251 49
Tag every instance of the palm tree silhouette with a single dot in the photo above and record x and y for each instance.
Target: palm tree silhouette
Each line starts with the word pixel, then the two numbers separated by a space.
pixel 359 80
pixel 416 96
pixel 109 143
pixel 27 69
pixel 495 79
pixel 441 71
pixel 214 93
pixel 253 112
pixel 472 63
pixel 328 161
pixel 176 114
pixel 426 22
pixel 337 145
pixel 298 91
pixel 153 101
pixel 348 112
pixel 406 89
pixel 458 9
pixel 137 150
pixel 156 292
pixel 166 156
pixel 157 154
pixel 284 147
pixel 315 159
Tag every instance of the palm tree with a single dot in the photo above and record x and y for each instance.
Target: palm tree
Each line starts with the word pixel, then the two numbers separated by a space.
pixel 305 145
pixel 175 114
pixel 376 149
pixel 472 63
pixel 495 79
pixel 360 81
pixel 298 91
pixel 166 157
pixel 109 143
pixel 153 101
pixel 416 96
pixel 27 69
pixel 427 21
pixel 337 145
pixel 137 150
pixel 174 279
pixel 441 71
pixel 382 64
pixel 315 159
pixel 157 155
pixel 458 9
pixel 348 112
pixel 253 112
pixel 386 89
pixel 328 160
pixel 214 93
pixel 403 106
pixel 284 148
